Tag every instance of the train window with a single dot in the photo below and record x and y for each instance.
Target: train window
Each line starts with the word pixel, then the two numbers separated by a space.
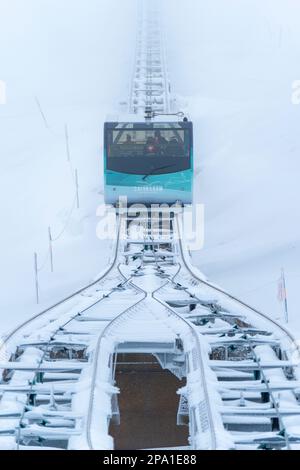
pixel 148 148
pixel 125 126
pixel 126 142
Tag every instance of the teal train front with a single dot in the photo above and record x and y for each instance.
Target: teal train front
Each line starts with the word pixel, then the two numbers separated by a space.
pixel 149 162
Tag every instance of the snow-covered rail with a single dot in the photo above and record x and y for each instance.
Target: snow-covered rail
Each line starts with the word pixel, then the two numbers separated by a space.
pixel 150 310
pixel 9 342
pixel 51 374
pixel 241 385
pixel 239 368
pixel 150 84
pixel 237 332
pixel 218 289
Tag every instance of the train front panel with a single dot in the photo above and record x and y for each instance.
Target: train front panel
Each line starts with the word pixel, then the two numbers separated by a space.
pixel 149 163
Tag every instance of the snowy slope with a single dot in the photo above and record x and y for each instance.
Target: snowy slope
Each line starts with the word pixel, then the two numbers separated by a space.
pixel 236 61
pixel 71 55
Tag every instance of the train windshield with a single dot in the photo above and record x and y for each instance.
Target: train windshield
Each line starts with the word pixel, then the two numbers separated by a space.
pixel 139 148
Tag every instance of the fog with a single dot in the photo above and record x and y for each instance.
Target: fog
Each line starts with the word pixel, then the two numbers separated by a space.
pixel 232 64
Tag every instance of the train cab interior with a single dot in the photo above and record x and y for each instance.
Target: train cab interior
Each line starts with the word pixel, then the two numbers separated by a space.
pixel 137 148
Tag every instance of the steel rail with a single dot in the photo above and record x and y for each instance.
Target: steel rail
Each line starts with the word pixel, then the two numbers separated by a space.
pixel 198 347
pixel 96 360
pixel 19 328
pixel 196 336
pixel 202 369
pixel 122 316
pixel 48 344
pixel 230 296
pixel 271 394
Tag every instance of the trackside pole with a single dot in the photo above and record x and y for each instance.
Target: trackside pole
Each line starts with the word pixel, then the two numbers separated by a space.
pixel 77 188
pixel 286 312
pixel 42 112
pixel 36 277
pixel 67 143
pixel 282 295
pixel 50 248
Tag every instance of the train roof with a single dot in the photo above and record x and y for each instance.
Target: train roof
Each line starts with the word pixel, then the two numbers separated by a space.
pixel 140 118
pixel 135 125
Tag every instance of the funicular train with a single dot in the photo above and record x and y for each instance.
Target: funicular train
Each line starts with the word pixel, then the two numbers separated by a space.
pixel 149 162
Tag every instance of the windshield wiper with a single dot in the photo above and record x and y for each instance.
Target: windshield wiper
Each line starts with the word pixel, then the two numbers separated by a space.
pixel 156 169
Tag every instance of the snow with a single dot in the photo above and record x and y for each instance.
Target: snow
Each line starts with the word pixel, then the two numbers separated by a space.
pixel 239 95
pixel 235 66
pixel 61 54
pixel 286 399
pixel 66 64
pixel 14 402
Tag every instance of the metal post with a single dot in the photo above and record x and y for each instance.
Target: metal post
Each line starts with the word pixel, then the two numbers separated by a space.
pixel 36 277
pixel 50 248
pixel 286 313
pixel 42 112
pixel 67 143
pixel 77 188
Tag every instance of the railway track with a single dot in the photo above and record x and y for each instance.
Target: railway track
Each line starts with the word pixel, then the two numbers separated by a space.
pixel 237 368
pixel 150 86
pixel 241 387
